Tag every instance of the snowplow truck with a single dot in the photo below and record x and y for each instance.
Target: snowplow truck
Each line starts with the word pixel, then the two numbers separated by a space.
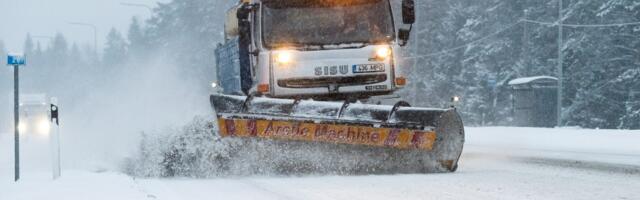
pixel 298 71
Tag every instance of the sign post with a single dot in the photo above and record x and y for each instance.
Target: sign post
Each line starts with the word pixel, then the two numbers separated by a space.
pixel 16 60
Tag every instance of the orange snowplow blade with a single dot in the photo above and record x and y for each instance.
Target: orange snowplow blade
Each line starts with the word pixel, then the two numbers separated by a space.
pixel 334 133
pixel 431 138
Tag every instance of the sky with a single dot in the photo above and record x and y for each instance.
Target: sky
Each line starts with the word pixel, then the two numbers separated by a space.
pixel 48 17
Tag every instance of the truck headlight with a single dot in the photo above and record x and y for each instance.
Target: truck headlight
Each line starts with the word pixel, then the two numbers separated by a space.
pixel 383 53
pixel 283 57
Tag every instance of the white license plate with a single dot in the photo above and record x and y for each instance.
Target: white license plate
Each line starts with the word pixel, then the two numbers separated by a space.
pixel 368 68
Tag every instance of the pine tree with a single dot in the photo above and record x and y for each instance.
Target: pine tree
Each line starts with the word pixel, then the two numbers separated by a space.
pixel 38 51
pixel 137 39
pixel 58 53
pixel 5 85
pixel 115 52
pixel 79 63
pixel 3 50
pixel 28 45
pixel 190 30
pixel 601 63
pixel 77 55
pixel 3 54
pixel 631 117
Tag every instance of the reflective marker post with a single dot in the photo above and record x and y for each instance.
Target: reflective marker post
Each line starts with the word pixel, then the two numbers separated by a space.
pixel 16 60
pixel 55 140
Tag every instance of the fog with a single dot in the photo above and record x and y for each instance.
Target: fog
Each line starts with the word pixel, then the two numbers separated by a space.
pixel 104 124
pixel 104 105
pixel 107 123
pixel 48 17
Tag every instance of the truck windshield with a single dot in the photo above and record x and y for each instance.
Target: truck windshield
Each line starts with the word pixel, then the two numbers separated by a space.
pixel 323 22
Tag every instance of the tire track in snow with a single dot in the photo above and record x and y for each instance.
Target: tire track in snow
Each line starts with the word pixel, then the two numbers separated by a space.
pixel 585 165
pixel 263 188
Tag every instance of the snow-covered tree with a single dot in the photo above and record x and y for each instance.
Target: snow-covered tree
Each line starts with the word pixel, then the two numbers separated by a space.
pixel 601 64
pixel 58 53
pixel 3 50
pixel 28 45
pixel 189 30
pixel 115 52
pixel 137 40
pixel 473 48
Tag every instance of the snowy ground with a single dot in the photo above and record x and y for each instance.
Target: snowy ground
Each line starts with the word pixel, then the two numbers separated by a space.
pixel 498 163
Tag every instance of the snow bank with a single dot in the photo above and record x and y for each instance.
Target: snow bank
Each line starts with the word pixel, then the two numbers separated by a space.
pixel 615 146
pixel 73 185
pixel 567 139
pixel 519 81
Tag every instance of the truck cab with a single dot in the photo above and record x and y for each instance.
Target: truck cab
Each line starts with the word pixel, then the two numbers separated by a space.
pixel 326 49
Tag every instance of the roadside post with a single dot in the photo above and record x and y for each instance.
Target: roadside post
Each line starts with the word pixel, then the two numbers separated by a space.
pixel 16 60
pixel 54 138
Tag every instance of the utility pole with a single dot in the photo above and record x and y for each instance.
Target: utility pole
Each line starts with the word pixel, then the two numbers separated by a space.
pixel 525 41
pixel 560 62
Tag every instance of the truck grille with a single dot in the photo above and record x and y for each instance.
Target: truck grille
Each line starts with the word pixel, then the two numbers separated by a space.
pixel 337 81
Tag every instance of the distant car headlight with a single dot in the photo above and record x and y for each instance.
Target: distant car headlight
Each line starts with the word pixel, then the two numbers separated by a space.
pixel 283 57
pixel 44 126
pixel 455 99
pixel 22 127
pixel 383 53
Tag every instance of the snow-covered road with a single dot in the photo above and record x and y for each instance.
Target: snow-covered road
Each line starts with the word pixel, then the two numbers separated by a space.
pixel 498 163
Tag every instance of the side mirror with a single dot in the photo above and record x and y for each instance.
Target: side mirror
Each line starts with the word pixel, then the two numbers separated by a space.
pixel 403 36
pixel 408 11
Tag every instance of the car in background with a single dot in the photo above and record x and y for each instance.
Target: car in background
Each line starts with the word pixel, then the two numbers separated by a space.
pixel 34 115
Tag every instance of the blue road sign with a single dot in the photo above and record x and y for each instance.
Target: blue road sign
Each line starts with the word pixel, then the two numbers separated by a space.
pixel 13 59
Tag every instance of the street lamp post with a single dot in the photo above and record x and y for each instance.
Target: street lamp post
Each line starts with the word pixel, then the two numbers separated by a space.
pixel 139 5
pixel 95 33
